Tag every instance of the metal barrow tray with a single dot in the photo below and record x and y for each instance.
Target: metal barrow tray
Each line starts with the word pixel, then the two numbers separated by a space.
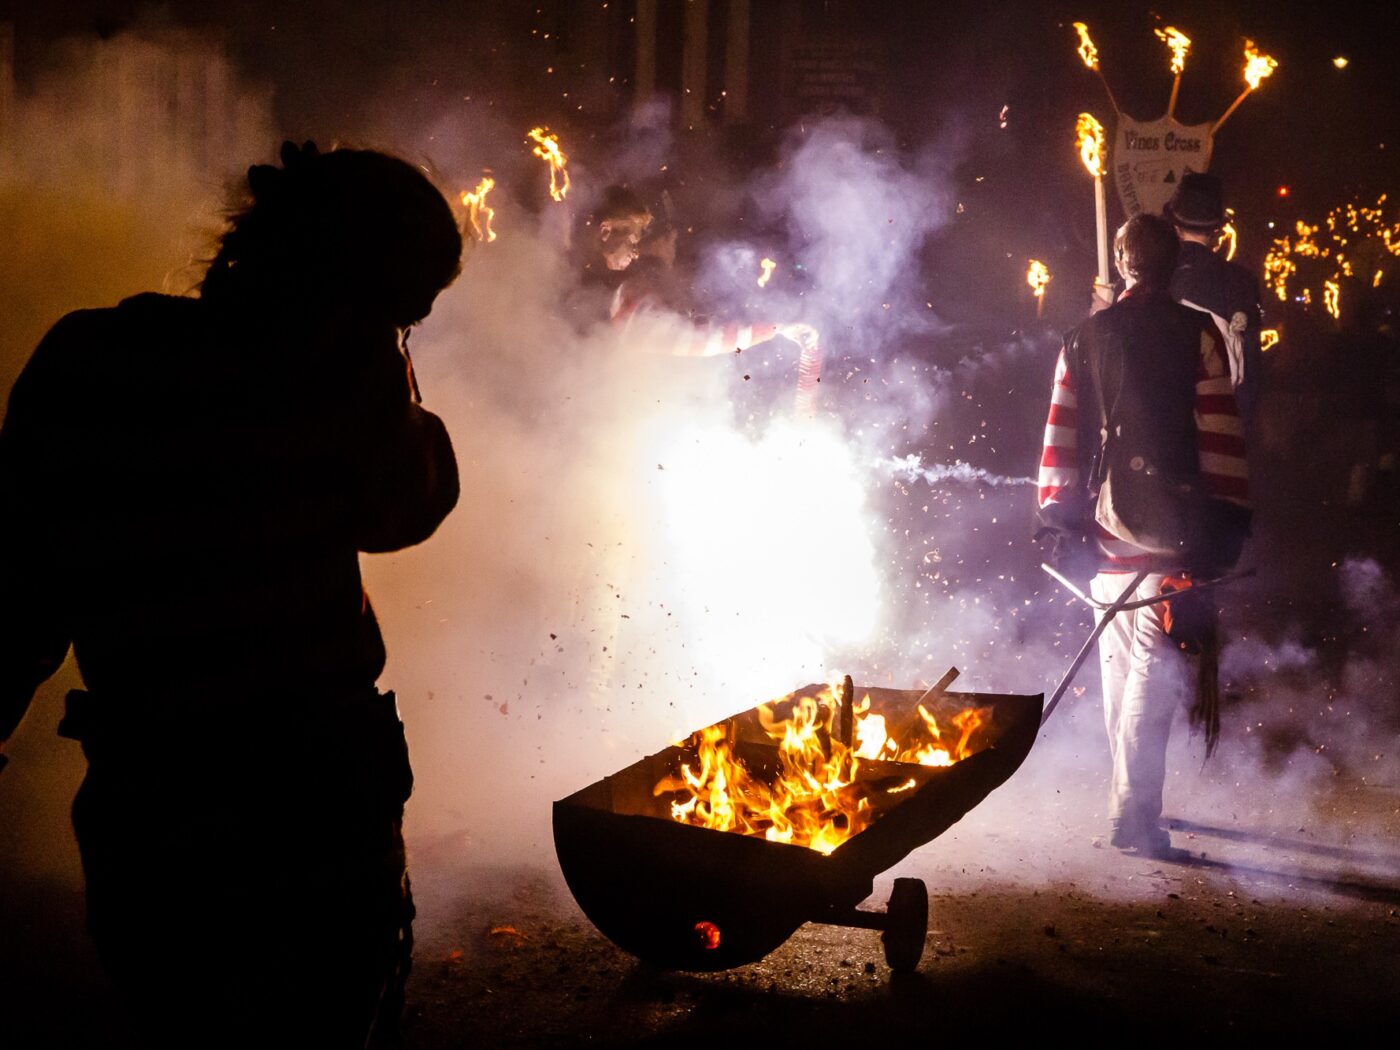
pixel 690 898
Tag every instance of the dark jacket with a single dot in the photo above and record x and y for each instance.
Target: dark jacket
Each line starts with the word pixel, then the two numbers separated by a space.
pixel 183 498
pixel 1224 288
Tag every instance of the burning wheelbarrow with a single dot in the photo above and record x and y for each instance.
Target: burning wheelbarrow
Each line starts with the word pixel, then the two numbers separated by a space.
pixel 711 853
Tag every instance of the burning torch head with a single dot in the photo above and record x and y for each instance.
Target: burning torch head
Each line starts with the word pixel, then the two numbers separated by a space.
pixel 1144 250
pixel 348 230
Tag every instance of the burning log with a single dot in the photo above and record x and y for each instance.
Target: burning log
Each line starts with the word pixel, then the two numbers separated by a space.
pixel 681 859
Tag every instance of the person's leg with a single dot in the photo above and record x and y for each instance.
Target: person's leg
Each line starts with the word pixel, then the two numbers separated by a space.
pixel 1151 695
pixel 1115 650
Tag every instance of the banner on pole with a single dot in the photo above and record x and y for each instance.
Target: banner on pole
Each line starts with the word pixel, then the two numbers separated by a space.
pixel 1150 158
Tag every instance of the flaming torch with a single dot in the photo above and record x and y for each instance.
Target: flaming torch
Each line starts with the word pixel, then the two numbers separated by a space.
pixel 1088 139
pixel 479 213
pixel 1089 54
pixel 1256 68
pixel 1180 44
pixel 1229 236
pixel 1038 276
pixel 547 148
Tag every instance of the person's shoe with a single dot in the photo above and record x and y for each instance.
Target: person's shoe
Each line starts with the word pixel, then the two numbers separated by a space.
pixel 1144 841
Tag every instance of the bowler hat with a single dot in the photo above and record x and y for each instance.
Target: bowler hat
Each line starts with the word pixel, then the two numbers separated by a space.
pixel 1197 203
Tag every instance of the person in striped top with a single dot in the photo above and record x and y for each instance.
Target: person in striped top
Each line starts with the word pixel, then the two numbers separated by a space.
pixel 1170 387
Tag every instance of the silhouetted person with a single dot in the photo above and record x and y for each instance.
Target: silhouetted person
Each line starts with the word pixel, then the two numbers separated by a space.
pixel 186 486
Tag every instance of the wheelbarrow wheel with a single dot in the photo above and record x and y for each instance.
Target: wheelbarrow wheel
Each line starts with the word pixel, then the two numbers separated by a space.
pixel 906 925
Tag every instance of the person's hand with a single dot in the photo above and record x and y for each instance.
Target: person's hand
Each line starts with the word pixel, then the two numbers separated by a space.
pixel 1102 299
pixel 804 335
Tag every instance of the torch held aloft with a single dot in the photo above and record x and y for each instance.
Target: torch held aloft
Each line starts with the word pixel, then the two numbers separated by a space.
pixel 1103 285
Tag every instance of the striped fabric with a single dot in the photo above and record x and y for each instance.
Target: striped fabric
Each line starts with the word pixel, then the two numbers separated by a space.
pixel 662 331
pixel 1219 442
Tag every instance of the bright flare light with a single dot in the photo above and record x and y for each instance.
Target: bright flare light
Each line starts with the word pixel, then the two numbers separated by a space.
pixel 767 266
pixel 1341 61
pixel 773 538
pixel 479 213
pixel 547 148
pixel 1088 140
pixel 1179 43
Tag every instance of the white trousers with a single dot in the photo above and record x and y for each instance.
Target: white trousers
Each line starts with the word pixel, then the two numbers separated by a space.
pixel 1144 681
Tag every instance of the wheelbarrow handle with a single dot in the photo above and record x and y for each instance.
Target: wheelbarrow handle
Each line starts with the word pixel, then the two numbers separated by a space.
pixel 1094 603
pixel 1108 610
pixel 1108 614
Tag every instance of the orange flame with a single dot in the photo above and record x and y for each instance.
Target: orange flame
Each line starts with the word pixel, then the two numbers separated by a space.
pixel 1179 43
pixel 479 213
pixel 1256 66
pixel 1038 276
pixel 767 266
pixel 1229 236
pixel 1268 339
pixel 818 792
pixel 1087 51
pixel 1088 140
pixel 1332 299
pixel 547 148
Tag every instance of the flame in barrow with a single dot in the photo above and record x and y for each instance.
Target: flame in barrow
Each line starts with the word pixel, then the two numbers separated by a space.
pixel 1179 43
pixel 767 266
pixel 1088 140
pixel 1256 66
pixel 547 148
pixel 1087 51
pixel 479 213
pixel 817 792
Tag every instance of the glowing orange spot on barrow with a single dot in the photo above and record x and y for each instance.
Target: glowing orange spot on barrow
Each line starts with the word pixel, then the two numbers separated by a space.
pixel 707 933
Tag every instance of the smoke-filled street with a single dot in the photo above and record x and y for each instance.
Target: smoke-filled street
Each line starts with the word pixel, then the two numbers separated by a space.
pixel 760 459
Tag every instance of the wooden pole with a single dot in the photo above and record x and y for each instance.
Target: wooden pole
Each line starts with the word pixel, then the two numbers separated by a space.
pixel 1104 287
pixel 1233 106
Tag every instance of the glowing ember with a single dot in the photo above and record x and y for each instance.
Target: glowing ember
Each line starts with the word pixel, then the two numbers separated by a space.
pixel 1341 61
pixel 1229 236
pixel 816 791
pixel 707 933
pixel 1088 140
pixel 547 148
pixel 1268 339
pixel 1087 51
pixel 767 266
pixel 1179 43
pixel 1256 66
pixel 1038 276
pixel 479 213
pixel 1332 298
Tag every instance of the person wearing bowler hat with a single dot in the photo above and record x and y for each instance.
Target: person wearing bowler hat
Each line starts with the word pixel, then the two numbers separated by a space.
pixel 1206 281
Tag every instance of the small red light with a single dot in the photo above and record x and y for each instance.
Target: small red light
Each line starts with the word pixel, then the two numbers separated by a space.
pixel 708 935
pixel 1283 191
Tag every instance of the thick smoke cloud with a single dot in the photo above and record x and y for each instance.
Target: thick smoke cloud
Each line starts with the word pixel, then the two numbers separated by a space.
pixel 633 557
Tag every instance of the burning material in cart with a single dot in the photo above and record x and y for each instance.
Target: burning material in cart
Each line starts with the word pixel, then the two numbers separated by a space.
pixel 711 853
